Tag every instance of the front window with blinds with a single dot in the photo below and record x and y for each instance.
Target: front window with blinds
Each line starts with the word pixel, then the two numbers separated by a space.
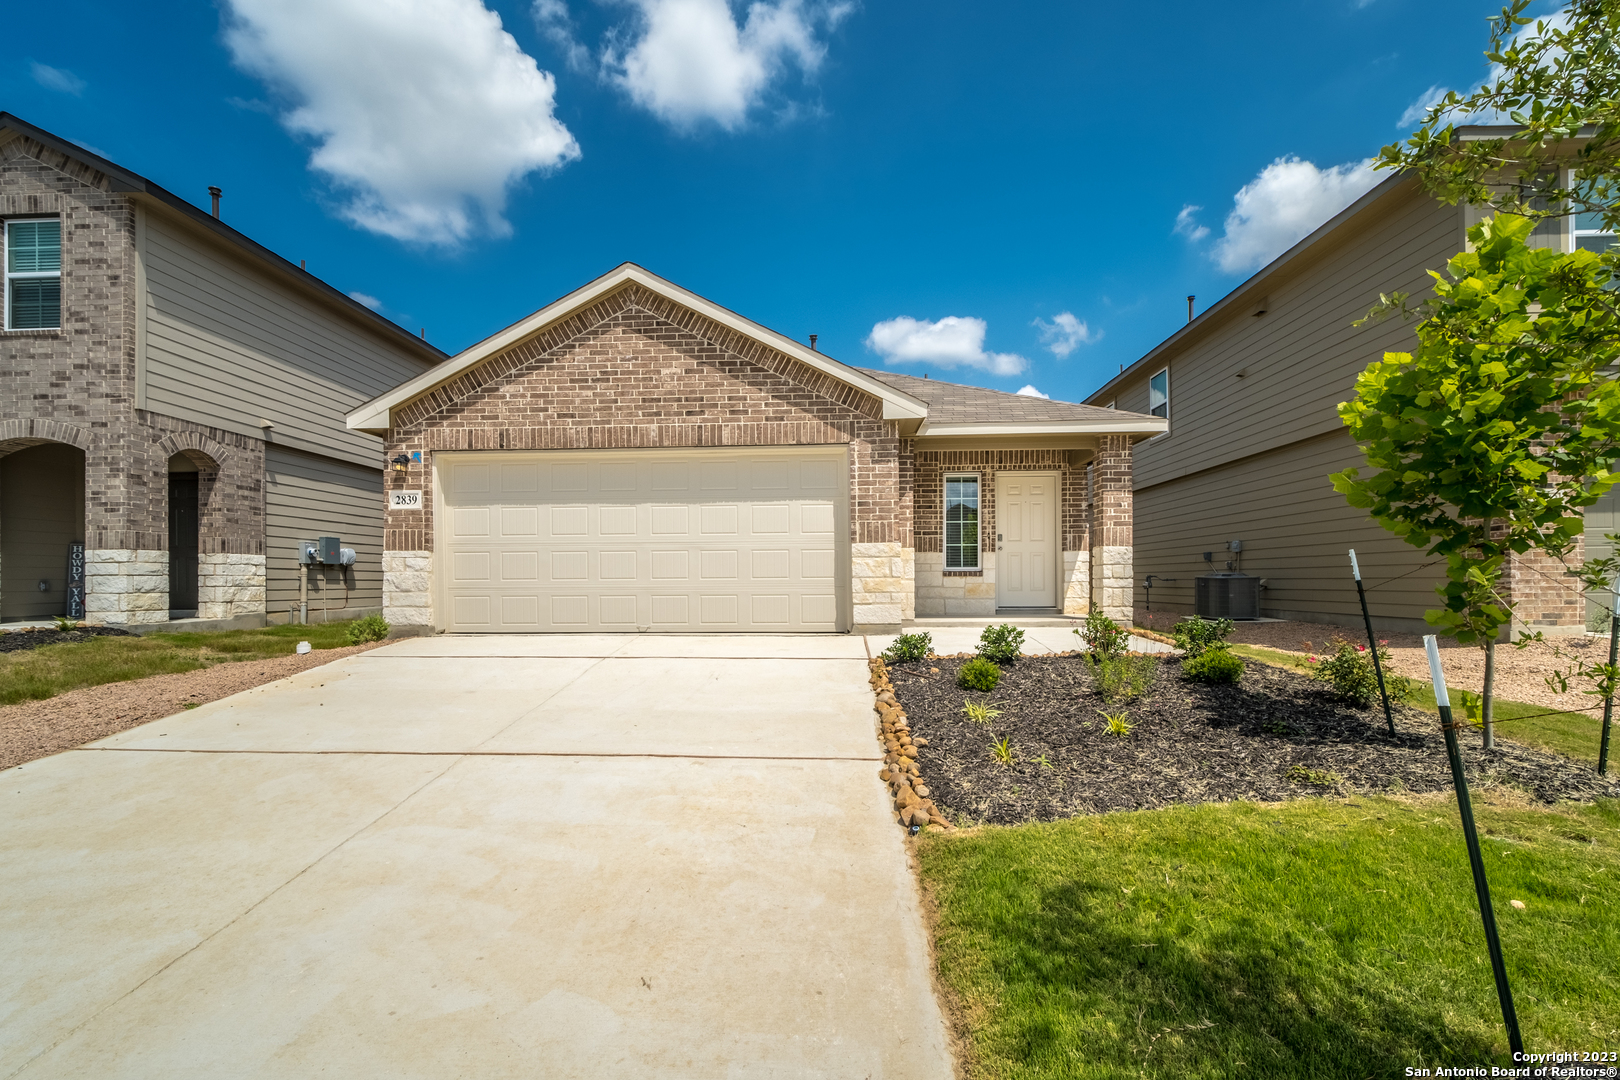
pixel 1159 393
pixel 962 522
pixel 34 274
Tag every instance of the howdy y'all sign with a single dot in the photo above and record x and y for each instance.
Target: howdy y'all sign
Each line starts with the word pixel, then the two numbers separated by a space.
pixel 75 581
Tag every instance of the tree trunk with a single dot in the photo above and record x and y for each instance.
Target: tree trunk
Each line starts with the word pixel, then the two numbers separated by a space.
pixel 1486 693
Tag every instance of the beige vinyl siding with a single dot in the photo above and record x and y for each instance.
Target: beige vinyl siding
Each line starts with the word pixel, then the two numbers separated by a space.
pixel 226 345
pixel 306 497
pixel 1303 355
pixel 1296 532
pixel 1602 518
pixel 41 513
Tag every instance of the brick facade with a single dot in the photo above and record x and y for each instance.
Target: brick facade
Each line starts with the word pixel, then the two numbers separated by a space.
pixel 76 385
pixel 635 370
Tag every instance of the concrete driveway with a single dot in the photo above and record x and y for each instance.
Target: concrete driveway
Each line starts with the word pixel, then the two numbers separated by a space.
pixel 591 856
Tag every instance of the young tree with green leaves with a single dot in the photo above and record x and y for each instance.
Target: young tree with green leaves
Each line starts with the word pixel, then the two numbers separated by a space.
pixel 1556 81
pixel 1500 429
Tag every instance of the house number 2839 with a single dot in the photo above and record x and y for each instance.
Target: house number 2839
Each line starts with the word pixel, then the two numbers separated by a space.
pixel 404 500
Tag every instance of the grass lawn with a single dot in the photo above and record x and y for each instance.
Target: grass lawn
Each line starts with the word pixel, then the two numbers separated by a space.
pixel 1575 735
pixel 1309 939
pixel 36 674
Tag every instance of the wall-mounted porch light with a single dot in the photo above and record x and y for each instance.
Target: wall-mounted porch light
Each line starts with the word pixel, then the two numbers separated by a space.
pixel 400 461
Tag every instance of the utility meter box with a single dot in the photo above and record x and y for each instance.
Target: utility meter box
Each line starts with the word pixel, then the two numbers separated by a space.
pixel 327 548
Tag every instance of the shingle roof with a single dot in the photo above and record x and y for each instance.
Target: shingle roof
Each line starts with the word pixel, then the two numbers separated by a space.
pixel 953 403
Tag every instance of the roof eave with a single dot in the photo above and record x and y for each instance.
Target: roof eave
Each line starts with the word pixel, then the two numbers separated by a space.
pixel 896 404
pixel 1129 424
pixel 1258 279
pixel 123 181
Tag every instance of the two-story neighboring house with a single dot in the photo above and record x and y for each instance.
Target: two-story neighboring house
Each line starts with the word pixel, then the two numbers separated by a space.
pixel 172 402
pixel 1250 389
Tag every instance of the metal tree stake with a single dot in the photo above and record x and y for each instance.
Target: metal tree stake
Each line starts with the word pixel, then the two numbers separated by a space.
pixel 1372 642
pixel 1608 699
pixel 1482 889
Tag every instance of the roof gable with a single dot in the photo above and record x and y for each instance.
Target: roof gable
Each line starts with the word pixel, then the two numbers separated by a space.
pixel 567 316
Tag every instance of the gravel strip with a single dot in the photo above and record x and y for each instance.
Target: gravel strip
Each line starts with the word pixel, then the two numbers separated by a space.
pixel 1275 735
pixel 1520 673
pixel 36 729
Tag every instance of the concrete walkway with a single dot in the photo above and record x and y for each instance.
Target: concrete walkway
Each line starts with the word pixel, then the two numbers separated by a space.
pixel 591 856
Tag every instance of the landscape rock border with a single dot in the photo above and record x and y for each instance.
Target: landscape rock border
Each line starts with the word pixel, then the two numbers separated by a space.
pixel 913 808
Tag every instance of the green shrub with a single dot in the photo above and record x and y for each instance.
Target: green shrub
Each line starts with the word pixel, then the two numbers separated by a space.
pixel 370 628
pixel 1001 644
pixel 1123 678
pixel 1198 636
pixel 909 647
pixel 978 674
pixel 980 712
pixel 1118 724
pixel 1103 636
pixel 1213 666
pixel 1351 673
pixel 64 624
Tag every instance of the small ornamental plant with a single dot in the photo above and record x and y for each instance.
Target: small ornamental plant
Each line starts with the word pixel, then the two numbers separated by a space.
pixel 1103 636
pixel 370 628
pixel 980 713
pixel 1001 644
pixel 909 648
pixel 1196 635
pixel 1118 724
pixel 1350 672
pixel 1214 666
pixel 978 674
pixel 1001 752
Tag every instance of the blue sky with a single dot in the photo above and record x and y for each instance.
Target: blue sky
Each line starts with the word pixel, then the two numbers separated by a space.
pixel 989 193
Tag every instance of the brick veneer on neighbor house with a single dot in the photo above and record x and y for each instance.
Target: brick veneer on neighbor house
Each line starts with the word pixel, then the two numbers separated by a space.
pixel 76 385
pixel 635 369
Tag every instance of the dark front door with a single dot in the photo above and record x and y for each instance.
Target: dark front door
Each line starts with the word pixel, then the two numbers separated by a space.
pixel 183 542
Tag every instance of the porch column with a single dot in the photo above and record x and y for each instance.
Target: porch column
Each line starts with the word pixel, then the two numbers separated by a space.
pixel 1112 529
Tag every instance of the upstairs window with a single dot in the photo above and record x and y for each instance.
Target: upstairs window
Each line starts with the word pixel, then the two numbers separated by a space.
pixel 1591 235
pixel 1159 394
pixel 34 274
pixel 962 522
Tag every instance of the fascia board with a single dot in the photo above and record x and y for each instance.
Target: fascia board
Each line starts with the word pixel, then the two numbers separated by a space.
pixel 1164 350
pixel 1149 425
pixel 896 405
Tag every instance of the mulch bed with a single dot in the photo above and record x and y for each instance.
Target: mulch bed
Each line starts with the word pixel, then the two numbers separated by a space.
pixel 22 640
pixel 1275 735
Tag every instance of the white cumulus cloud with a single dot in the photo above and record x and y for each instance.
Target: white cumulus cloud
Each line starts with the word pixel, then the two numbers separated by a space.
pixel 1416 111
pixel 691 61
pixel 1282 205
pixel 953 341
pixel 1030 391
pixel 1187 224
pixel 1064 333
pixel 366 300
pixel 424 112
pixel 59 79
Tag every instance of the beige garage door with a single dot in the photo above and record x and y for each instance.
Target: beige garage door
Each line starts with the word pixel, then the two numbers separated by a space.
pixel 688 540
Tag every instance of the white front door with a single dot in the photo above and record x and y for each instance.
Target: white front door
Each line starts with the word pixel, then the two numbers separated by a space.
pixel 1026 539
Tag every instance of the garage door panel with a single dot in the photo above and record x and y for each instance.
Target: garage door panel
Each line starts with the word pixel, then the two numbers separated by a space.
pixel 470 521
pixel 618 565
pixel 670 520
pixel 618 611
pixel 570 520
pixel 629 541
pixel 616 521
pixel 570 565
pixel 520 566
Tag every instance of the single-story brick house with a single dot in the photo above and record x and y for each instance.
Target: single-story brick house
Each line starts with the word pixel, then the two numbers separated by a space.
pixel 635 457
